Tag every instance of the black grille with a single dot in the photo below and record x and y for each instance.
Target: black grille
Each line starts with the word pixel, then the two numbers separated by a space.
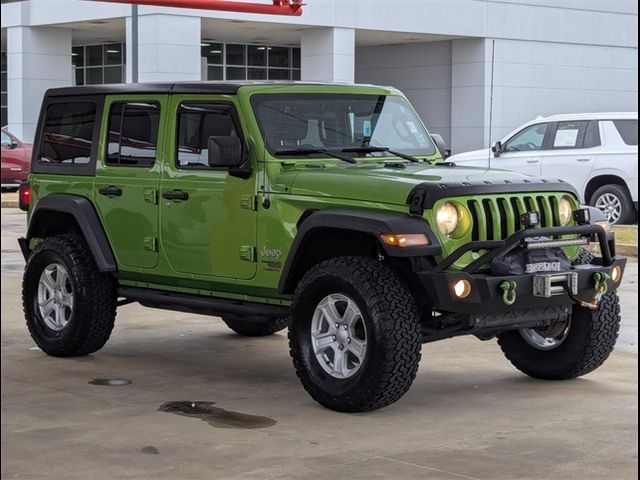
pixel 475 228
pixel 497 218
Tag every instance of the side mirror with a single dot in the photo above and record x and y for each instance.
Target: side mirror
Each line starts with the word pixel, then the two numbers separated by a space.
pixel 440 145
pixel 226 151
pixel 497 148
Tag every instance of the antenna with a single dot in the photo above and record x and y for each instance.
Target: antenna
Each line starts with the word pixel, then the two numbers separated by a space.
pixel 493 57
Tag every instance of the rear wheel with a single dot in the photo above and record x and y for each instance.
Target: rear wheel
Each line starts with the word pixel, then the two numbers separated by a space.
pixel 615 203
pixel 355 334
pixel 248 328
pixel 69 306
pixel 566 349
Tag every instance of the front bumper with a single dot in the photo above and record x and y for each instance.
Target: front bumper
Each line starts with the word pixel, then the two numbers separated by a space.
pixel 487 297
pixel 486 294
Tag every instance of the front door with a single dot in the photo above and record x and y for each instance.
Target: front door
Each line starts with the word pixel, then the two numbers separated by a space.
pixel 128 177
pixel 523 151
pixel 208 217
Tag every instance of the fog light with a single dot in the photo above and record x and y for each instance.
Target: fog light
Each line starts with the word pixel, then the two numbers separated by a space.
pixel 616 274
pixel 462 288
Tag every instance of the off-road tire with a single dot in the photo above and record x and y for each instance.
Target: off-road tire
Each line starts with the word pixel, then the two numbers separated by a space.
pixel 628 212
pixel 590 341
pixel 393 339
pixel 248 328
pixel 94 303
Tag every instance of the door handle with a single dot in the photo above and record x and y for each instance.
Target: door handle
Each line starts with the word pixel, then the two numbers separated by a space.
pixel 533 161
pixel 584 159
pixel 110 191
pixel 176 195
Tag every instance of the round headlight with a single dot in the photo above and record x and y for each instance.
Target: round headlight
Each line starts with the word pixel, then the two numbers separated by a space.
pixel 565 210
pixel 447 218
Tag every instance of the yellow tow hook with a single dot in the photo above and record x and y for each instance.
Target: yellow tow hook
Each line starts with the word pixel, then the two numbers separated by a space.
pixel 509 293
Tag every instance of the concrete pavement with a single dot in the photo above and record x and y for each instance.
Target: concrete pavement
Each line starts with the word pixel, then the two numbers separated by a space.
pixel 468 415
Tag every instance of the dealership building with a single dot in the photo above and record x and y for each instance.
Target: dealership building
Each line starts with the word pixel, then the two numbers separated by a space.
pixel 473 69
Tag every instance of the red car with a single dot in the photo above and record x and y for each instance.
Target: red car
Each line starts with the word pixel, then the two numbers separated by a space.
pixel 16 158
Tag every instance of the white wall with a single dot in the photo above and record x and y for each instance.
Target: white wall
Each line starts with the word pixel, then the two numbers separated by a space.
pixel 540 78
pixel 422 71
pixel 532 79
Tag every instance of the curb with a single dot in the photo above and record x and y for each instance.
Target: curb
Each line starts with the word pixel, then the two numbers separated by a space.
pixel 624 249
pixel 9 204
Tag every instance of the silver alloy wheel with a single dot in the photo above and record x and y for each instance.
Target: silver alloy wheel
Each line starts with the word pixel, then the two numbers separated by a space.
pixel 610 205
pixel 55 296
pixel 339 336
pixel 547 338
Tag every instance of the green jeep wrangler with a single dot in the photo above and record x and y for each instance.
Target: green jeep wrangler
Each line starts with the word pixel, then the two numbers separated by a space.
pixel 327 209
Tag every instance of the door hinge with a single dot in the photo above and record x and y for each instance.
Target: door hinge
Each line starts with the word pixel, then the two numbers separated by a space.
pixel 249 202
pixel 151 196
pixel 151 244
pixel 248 253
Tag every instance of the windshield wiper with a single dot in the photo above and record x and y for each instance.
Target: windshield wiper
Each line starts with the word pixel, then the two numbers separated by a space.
pixel 381 149
pixel 308 151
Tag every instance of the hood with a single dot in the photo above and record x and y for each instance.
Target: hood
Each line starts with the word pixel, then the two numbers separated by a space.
pixel 476 158
pixel 379 183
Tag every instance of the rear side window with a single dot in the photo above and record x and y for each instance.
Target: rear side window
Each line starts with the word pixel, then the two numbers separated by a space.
pixel 569 135
pixel 196 123
pixel 67 133
pixel 133 134
pixel 628 130
pixel 592 136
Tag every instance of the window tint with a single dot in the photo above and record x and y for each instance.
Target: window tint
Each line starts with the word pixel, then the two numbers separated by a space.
pixel 531 138
pixel 133 134
pixel 68 132
pixel 592 136
pixel 196 123
pixel 628 130
pixel 569 135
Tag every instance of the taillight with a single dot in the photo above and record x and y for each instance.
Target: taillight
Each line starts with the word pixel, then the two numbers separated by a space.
pixel 24 196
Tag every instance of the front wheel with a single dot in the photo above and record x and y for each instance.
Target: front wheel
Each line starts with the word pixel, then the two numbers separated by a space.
pixel 355 334
pixel 567 349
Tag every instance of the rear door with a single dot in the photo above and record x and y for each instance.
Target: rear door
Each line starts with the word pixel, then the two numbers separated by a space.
pixel 128 176
pixel 523 151
pixel 571 152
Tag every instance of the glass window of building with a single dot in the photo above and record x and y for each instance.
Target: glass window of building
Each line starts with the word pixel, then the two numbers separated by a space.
pixel 4 120
pixel 234 61
pixel 98 64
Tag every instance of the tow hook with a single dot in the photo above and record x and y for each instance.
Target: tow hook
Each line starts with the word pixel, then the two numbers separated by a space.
pixel 601 287
pixel 509 293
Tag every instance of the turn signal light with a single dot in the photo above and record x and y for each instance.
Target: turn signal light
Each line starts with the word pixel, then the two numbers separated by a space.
pixel 405 239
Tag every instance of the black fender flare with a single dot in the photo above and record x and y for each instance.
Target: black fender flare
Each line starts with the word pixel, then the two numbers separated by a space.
pixel 87 218
pixel 369 222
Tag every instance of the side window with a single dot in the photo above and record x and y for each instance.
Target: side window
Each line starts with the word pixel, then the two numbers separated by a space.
pixel 196 123
pixel 569 135
pixel 531 138
pixel 133 134
pixel 67 134
pixel 6 140
pixel 592 136
pixel 628 130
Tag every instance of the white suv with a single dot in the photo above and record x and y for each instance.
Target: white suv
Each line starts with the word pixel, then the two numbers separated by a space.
pixel 596 152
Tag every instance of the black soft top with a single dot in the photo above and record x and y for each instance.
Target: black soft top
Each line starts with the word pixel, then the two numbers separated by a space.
pixel 221 88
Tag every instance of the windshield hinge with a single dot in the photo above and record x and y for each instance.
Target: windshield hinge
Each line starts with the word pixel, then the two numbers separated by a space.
pixel 249 202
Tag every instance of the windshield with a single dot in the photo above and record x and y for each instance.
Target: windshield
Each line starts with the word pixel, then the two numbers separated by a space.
pixel 340 121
